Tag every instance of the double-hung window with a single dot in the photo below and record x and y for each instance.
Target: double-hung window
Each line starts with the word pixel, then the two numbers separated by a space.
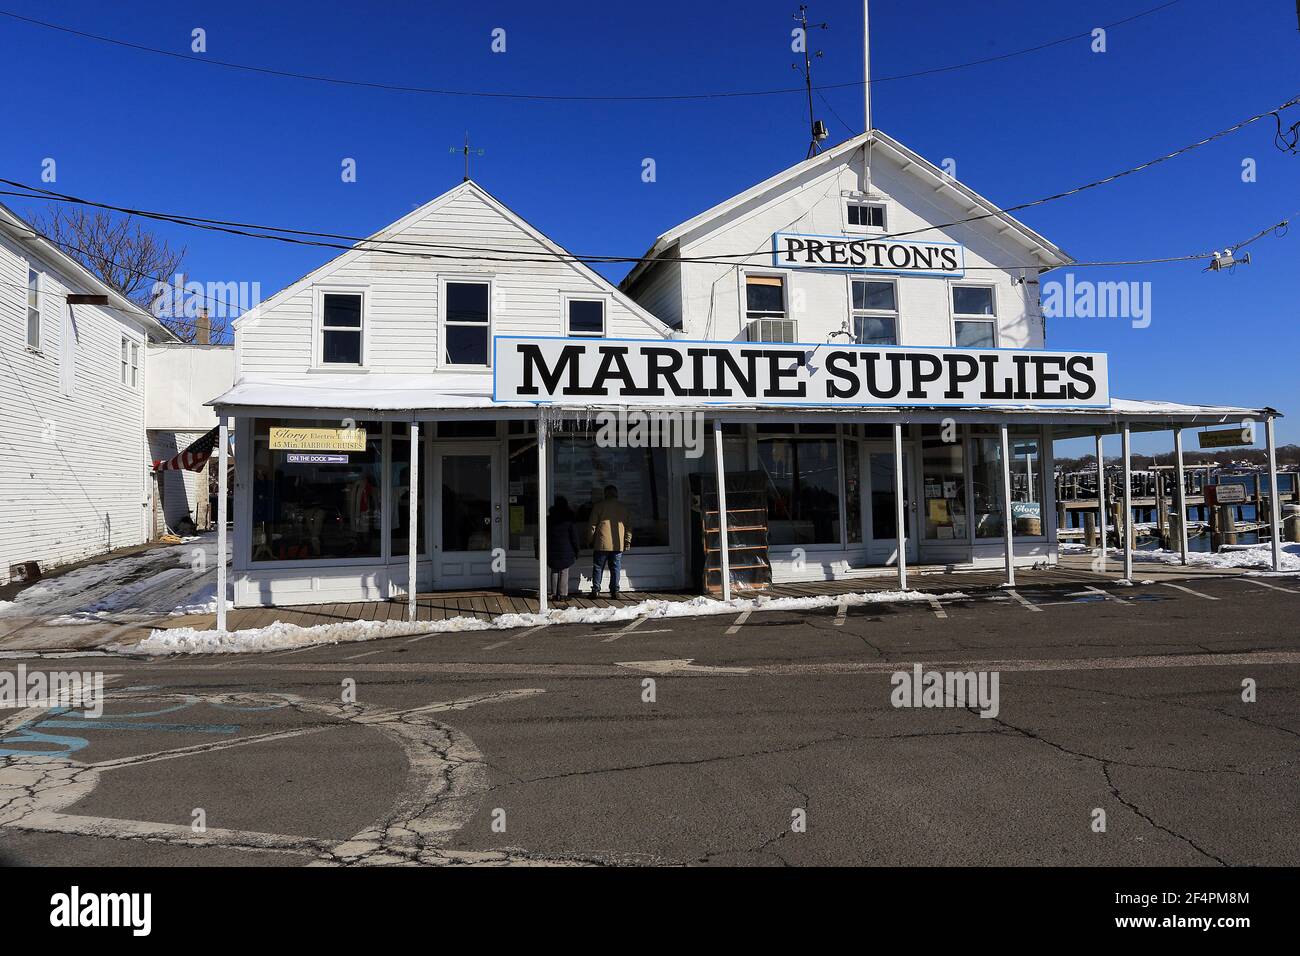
pixel 586 317
pixel 974 317
pixel 130 362
pixel 341 329
pixel 467 326
pixel 33 309
pixel 875 312
pixel 765 313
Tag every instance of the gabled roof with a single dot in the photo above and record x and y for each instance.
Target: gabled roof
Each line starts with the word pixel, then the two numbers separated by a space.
pixel 1051 255
pixel 23 232
pixel 418 214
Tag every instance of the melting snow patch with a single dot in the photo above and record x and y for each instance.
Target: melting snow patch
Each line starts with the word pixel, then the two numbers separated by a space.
pixel 281 636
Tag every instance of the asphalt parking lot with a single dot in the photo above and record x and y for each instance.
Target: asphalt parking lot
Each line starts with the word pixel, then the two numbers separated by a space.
pixel 768 737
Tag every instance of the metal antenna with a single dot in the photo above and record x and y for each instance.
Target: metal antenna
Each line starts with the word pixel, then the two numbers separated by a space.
pixel 467 150
pixel 816 126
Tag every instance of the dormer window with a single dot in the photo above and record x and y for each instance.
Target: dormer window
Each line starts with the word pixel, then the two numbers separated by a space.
pixel 866 215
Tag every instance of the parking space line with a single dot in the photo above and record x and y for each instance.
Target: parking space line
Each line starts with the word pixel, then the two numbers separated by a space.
pixel 354 657
pixel 937 608
pixel 531 630
pixel 744 616
pixel 1179 587
pixel 1265 584
pixel 627 630
pixel 841 614
pixel 1022 601
pixel 1106 594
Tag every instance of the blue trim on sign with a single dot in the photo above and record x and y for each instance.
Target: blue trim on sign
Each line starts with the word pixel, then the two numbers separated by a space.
pixel 805 345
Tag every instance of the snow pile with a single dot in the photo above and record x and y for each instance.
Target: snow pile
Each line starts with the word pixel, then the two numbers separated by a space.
pixel 281 636
pixel 150 583
pixel 1259 556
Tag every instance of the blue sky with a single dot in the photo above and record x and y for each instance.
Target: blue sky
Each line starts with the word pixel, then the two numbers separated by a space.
pixel 138 129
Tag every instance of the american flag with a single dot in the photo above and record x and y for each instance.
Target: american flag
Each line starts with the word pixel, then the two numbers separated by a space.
pixel 193 458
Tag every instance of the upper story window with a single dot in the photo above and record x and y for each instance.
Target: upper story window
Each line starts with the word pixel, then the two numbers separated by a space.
pixel 586 317
pixel 33 309
pixel 974 317
pixel 765 313
pixel 866 215
pixel 341 328
pixel 467 327
pixel 875 312
pixel 130 362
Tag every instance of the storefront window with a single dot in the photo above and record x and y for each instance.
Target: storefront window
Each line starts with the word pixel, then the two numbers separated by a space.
pixel 400 470
pixel 852 492
pixel 521 495
pixel 986 477
pixel 944 490
pixel 317 503
pixel 803 490
pixel 1026 482
pixel 583 469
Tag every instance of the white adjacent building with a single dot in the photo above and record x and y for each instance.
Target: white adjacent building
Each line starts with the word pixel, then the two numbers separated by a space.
pixel 74 458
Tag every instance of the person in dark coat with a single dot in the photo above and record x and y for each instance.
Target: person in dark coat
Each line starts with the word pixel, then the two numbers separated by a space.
pixel 561 545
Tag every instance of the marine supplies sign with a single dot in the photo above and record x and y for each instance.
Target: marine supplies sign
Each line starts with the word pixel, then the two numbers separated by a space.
pixel 867 254
pixel 644 373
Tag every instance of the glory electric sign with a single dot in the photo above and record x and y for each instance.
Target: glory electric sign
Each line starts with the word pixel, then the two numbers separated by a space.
pixel 636 372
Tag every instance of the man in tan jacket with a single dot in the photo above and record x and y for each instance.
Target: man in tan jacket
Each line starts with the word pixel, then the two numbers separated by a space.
pixel 609 533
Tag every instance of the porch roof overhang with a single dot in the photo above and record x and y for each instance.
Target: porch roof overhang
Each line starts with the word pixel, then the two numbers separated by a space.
pixel 463 396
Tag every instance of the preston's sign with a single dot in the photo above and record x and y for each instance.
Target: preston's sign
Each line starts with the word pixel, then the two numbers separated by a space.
pixel 645 373
pixel 865 254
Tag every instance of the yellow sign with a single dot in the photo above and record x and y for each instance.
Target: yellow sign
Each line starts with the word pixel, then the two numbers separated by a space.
pixel 1231 438
pixel 294 438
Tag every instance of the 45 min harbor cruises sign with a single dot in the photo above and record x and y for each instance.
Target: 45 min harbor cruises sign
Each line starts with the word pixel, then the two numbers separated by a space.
pixel 656 372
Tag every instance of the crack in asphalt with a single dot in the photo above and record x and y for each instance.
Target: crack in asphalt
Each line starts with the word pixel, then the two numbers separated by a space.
pixel 1105 765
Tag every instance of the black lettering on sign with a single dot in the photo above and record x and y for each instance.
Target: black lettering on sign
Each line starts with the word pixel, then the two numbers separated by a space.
pixel 835 364
pixel 533 362
pixel 1082 385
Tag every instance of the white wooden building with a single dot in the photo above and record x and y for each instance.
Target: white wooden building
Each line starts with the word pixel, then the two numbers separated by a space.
pixel 74 459
pixel 487 346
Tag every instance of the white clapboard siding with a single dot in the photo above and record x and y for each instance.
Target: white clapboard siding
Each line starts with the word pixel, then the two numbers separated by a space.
pixel 402 308
pixel 811 198
pixel 72 467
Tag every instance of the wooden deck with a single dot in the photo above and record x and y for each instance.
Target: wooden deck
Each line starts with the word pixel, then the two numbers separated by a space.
pixel 1073 570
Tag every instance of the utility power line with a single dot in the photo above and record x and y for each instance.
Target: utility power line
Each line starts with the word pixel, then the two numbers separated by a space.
pixel 577 97
pixel 411 248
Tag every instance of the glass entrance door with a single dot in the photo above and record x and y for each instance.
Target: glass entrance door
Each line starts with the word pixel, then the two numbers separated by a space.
pixel 882 517
pixel 467 514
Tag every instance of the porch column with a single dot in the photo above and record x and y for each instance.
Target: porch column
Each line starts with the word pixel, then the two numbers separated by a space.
pixel 543 577
pixel 900 520
pixel 723 543
pixel 223 440
pixel 1101 496
pixel 1008 529
pixel 413 494
pixel 1182 493
pixel 1275 503
pixel 1127 530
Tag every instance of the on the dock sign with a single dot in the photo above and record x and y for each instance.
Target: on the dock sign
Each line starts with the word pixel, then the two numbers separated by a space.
pixel 665 372
pixel 1228 438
